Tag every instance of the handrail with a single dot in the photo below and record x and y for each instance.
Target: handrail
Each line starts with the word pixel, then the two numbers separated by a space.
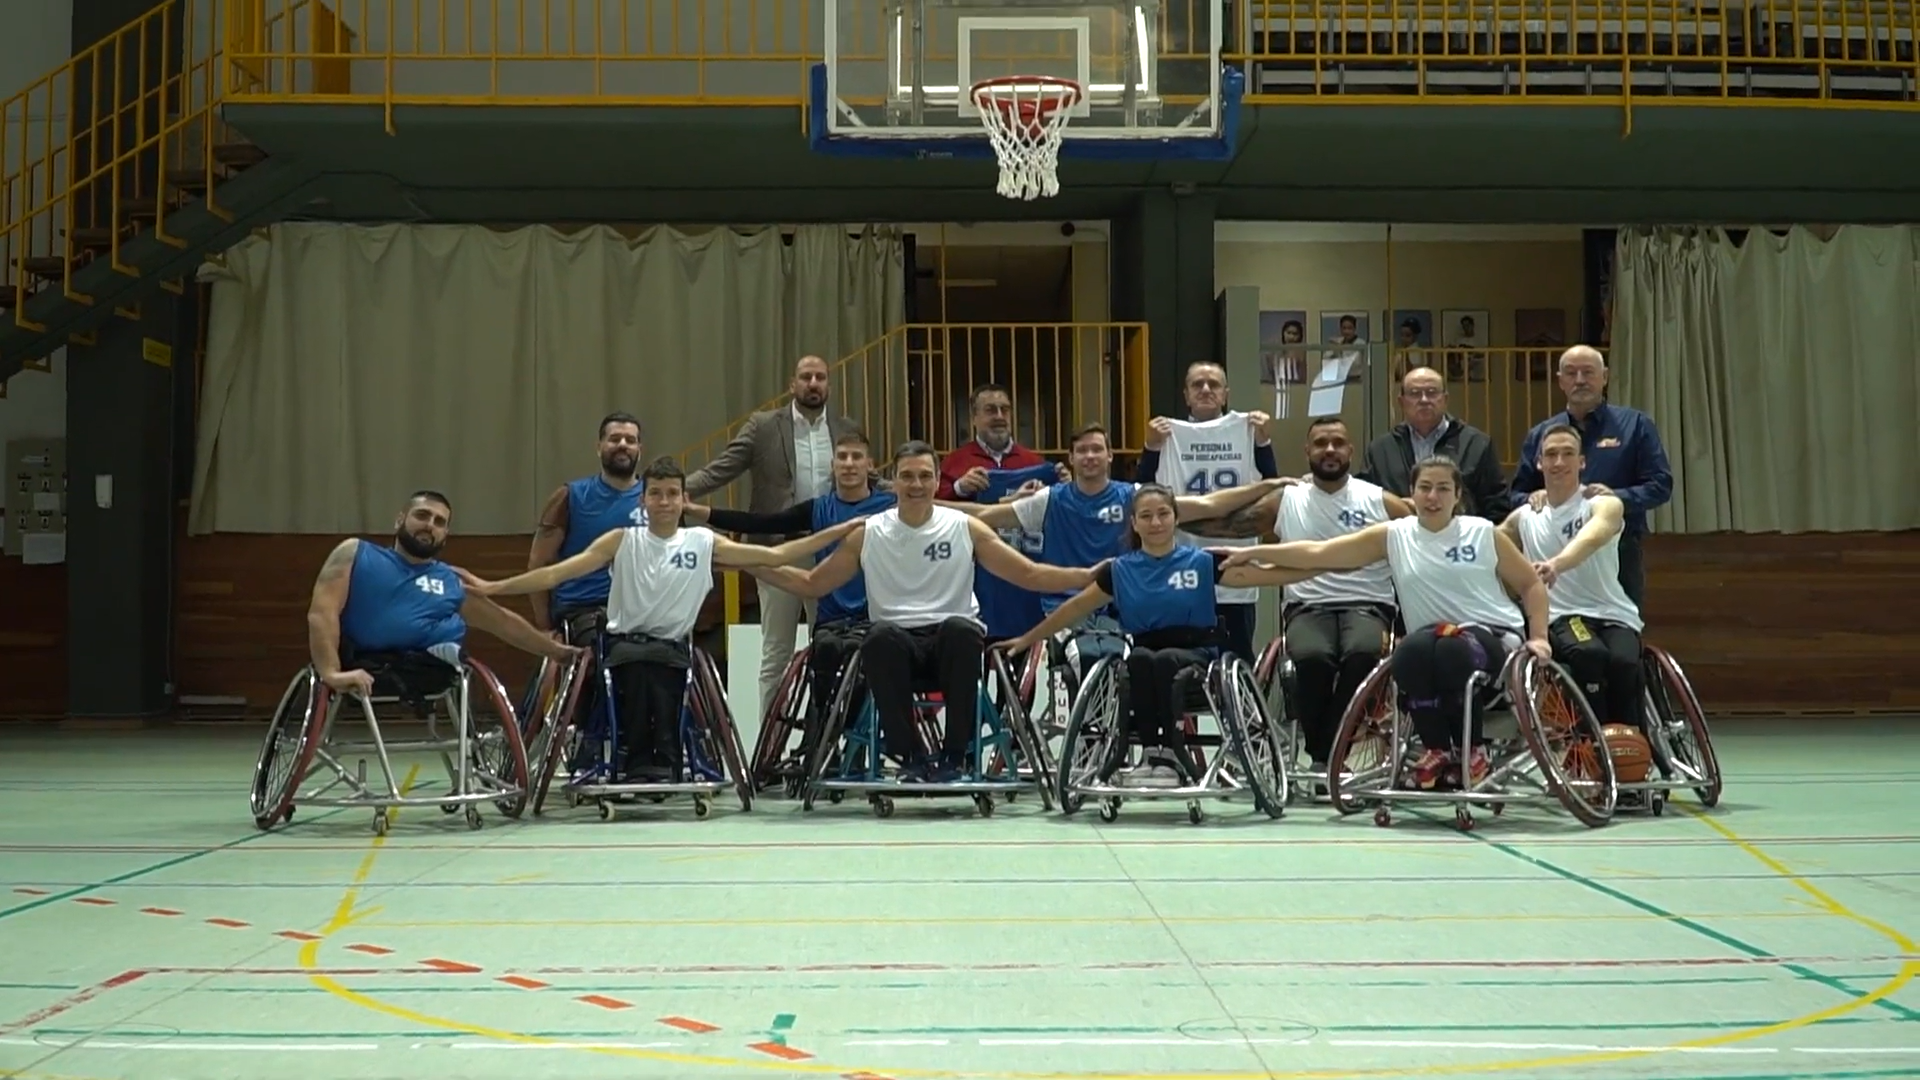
pixel 913 383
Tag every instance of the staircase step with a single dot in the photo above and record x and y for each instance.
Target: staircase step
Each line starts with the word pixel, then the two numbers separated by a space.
pixel 45 266
pixel 142 209
pixel 193 179
pixel 92 239
pixel 238 155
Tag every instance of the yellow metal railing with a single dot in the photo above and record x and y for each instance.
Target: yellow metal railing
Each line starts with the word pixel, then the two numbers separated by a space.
pixel 914 384
pixel 1502 390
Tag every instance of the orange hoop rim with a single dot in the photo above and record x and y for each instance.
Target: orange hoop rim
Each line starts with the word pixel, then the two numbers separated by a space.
pixel 1030 111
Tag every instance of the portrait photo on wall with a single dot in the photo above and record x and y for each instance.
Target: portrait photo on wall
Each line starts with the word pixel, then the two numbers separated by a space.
pixel 1541 329
pixel 1412 339
pixel 1283 347
pixel 1463 336
pixel 1345 335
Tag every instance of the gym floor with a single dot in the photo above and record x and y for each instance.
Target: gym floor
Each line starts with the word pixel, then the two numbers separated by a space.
pixel 148 930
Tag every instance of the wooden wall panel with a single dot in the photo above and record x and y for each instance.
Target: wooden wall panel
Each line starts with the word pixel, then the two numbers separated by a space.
pixel 33 640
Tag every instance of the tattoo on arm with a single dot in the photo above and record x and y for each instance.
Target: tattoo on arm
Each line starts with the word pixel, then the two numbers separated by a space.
pixel 1249 521
pixel 339 561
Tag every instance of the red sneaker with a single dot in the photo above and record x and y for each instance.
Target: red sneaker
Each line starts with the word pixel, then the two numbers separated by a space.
pixel 1431 766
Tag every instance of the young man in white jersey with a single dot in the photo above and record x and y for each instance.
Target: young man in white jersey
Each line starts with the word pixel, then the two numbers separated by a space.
pixel 661 576
pixel 1574 543
pixel 1214 448
pixel 918 560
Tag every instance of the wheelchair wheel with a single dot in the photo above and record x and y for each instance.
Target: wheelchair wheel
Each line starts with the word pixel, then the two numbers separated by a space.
pixel 825 751
pixel 1368 747
pixel 1686 744
pixel 499 753
pixel 1565 737
pixel 778 721
pixel 1018 720
pixel 717 718
pixel 1244 721
pixel 292 737
pixel 1095 721
pixel 1267 668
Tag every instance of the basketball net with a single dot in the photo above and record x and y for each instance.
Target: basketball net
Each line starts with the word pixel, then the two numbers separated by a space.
pixel 1026 119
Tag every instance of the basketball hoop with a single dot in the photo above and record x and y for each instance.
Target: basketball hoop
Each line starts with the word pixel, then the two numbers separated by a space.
pixel 1026 117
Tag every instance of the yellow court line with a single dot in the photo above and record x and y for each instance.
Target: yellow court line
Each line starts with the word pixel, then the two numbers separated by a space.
pixel 1906 974
pixel 1100 920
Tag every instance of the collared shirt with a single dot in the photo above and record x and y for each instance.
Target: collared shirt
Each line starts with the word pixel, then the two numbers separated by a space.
pixel 1623 451
pixel 812 455
pixel 1424 445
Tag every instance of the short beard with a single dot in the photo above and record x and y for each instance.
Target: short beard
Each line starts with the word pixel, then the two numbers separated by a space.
pixel 415 547
pixel 1330 470
pixel 613 468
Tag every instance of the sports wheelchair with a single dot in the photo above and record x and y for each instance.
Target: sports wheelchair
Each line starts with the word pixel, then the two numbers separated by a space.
pixel 776 761
pixel 484 756
pixel 1274 674
pixel 1248 759
pixel 850 756
pixel 1676 729
pixel 1545 744
pixel 587 749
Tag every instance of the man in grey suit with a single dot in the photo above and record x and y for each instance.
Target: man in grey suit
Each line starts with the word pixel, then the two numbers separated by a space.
pixel 788 454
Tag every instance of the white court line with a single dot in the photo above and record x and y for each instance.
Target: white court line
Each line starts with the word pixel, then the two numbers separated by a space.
pixel 561 1046
pixel 161 1044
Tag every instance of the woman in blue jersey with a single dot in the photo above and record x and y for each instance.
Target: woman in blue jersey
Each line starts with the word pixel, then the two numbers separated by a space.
pixel 1454 574
pixel 1163 595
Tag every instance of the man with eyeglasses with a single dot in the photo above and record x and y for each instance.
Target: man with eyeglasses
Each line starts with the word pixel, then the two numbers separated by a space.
pixel 1426 431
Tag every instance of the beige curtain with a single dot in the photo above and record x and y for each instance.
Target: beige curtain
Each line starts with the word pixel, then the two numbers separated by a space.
pixel 1784 372
pixel 349 365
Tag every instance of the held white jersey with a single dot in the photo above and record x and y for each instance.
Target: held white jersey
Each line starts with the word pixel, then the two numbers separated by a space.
pixel 1591 589
pixel 1201 457
pixel 919 577
pixel 660 584
pixel 1450 576
pixel 1309 513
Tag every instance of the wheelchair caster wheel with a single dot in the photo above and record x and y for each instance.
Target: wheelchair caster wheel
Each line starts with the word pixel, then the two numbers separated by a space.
pixel 1464 819
pixel 449 808
pixel 573 800
pixel 1659 803
pixel 882 807
pixel 1110 811
pixel 1383 817
pixel 473 816
pixel 985 803
pixel 1071 804
pixel 834 797
pixel 606 811
pixel 1195 814
pixel 701 809
pixel 382 821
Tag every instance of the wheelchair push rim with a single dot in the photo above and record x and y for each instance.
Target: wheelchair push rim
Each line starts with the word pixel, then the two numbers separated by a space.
pixel 1564 735
pixel 1687 742
pixel 290 740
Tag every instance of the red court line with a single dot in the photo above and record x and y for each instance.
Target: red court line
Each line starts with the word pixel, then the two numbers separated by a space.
pixel 696 1026
pixel 159 911
pixel 23 891
pixel 95 901
pixel 776 1050
pixel 370 950
pixel 73 1000
pixel 523 982
pixel 605 1002
pixel 235 924
pixel 451 967
pixel 296 935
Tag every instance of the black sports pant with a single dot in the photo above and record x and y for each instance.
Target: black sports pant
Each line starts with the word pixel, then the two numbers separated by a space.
pixel 1153 695
pixel 649 702
pixel 1431 670
pixel 894 660
pixel 1604 658
pixel 1633 569
pixel 1237 621
pixel 832 645
pixel 1333 650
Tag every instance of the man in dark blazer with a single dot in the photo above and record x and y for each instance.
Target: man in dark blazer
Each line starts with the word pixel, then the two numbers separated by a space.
pixel 787 454
pixel 1428 431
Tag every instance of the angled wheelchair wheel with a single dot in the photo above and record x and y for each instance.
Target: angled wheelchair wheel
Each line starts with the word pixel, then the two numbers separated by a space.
pixel 1368 747
pixel 1687 744
pixel 1018 719
pixel 1565 737
pixel 292 737
pixel 1095 722
pixel 1250 731
pixel 1267 669
pixel 781 717
pixel 553 736
pixel 824 753
pixel 498 752
pixel 717 717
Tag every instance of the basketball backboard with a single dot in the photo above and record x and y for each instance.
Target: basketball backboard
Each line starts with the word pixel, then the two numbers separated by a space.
pixel 898 74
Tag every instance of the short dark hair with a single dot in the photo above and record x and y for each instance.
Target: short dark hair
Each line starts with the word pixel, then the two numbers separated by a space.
pixel 1131 541
pixel 619 418
pixel 664 468
pixel 1562 429
pixel 1323 421
pixel 432 496
pixel 1202 363
pixel 973 399
pixel 1085 430
pixel 1442 461
pixel 853 437
pixel 916 448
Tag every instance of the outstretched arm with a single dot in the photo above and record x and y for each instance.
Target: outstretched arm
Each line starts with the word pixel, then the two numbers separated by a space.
pixel 1517 574
pixel 730 554
pixel 1609 516
pixel 1226 500
pixel 485 615
pixel 1000 515
pixel 1349 552
pixel 1071 613
pixel 1251 521
pixel 1007 564
pixel 598 554
pixel 1253 577
pixel 1397 507
pixel 323 612
pixel 824 578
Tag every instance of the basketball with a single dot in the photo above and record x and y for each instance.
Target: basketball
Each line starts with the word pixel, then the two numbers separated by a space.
pixel 1631 753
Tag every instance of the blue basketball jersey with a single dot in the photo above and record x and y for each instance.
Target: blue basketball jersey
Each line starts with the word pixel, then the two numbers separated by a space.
pixel 394 605
pixel 849 601
pixel 1165 593
pixel 1007 609
pixel 594 509
pixel 1082 529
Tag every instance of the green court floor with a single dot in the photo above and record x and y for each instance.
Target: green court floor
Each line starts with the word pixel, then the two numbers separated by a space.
pixel 148 931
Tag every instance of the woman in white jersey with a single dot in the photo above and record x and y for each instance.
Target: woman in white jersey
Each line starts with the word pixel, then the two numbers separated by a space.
pixel 1453 574
pixel 661 576
pixel 1573 540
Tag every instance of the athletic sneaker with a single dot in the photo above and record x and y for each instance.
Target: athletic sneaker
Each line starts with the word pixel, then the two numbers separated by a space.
pixel 1430 767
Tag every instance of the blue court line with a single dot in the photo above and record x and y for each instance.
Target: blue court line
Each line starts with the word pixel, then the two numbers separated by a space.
pixel 1702 929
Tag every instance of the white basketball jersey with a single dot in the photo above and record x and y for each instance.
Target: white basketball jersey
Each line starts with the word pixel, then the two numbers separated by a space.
pixel 1308 513
pixel 1591 589
pixel 660 585
pixel 919 577
pixel 1201 457
pixel 1450 576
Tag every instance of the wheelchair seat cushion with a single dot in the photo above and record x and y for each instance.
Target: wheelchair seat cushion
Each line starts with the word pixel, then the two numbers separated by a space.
pixel 413 677
pixel 623 649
